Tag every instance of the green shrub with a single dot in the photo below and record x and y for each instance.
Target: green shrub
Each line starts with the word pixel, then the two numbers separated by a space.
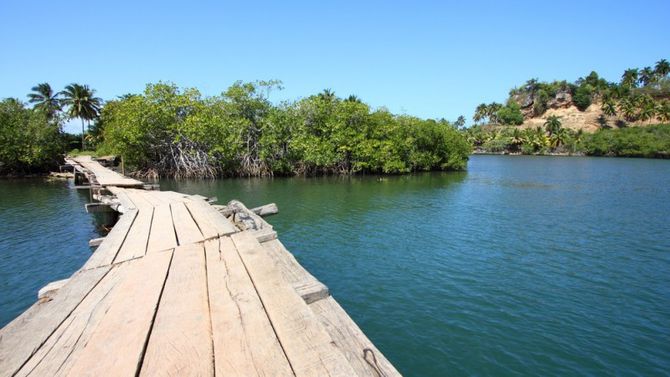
pixel 582 97
pixel 510 114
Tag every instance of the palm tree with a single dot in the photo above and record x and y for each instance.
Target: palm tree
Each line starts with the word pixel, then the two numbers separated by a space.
pixel 353 98
pixel 663 111
pixel 553 124
pixel 647 76
pixel 628 109
pixel 492 112
pixel 327 95
pixel 630 78
pixel 81 104
pixel 460 122
pixel 647 108
pixel 608 107
pixel 561 137
pixel 480 113
pixel 45 99
pixel 662 68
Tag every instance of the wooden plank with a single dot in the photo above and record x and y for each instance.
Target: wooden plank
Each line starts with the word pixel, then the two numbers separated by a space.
pixel 50 289
pixel 135 245
pixel 105 253
pixel 116 345
pixel 162 235
pixel 185 227
pixel 201 218
pixel 123 198
pixel 362 354
pixel 154 198
pixel 138 198
pixel 244 342
pixel 222 225
pixel 306 285
pixel 175 197
pixel 56 356
pixel 181 339
pixel 22 337
pixel 307 345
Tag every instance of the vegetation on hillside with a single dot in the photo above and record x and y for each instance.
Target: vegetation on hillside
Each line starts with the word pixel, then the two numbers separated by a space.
pixel 167 131
pixel 642 95
pixel 652 141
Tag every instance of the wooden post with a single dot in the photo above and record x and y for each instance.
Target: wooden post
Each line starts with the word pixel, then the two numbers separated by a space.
pixel 123 170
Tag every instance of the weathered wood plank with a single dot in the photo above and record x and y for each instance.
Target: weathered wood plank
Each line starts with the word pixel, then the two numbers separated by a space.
pixel 154 198
pixel 186 228
pixel 104 176
pixel 222 225
pixel 105 253
pixel 162 235
pixel 306 285
pixel 180 343
pixel 200 216
pixel 51 288
pixel 122 197
pixel 209 226
pixel 175 197
pixel 22 337
pixel 135 245
pixel 55 357
pixel 307 345
pixel 244 342
pixel 117 344
pixel 362 354
pixel 139 199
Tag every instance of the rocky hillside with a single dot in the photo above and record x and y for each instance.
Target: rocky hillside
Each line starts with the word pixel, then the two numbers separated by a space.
pixel 641 98
pixel 589 120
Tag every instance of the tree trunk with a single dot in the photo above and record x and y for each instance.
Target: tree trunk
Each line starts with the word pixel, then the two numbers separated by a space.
pixel 83 145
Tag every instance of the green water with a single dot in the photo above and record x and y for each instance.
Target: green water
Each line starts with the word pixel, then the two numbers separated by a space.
pixel 520 266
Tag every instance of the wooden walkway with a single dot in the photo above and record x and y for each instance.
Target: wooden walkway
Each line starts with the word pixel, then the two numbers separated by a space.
pixel 177 289
pixel 99 175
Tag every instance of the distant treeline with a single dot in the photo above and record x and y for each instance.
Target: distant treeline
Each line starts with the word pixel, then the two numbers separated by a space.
pixel 641 95
pixel 171 132
pixel 650 141
pixel 166 131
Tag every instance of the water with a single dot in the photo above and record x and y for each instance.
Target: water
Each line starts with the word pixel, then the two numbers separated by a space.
pixel 521 266
pixel 44 233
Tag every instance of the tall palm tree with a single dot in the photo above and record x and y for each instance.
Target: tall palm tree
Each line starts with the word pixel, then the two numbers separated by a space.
pixel 327 95
pixel 553 124
pixel 662 68
pixel 647 76
pixel 492 112
pixel 608 107
pixel 480 113
pixel 353 98
pixel 628 108
pixel 45 99
pixel 81 103
pixel 630 78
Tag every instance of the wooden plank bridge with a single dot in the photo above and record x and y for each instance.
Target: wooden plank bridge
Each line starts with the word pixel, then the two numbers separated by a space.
pixel 177 288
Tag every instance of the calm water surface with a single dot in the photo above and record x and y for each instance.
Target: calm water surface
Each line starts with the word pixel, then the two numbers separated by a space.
pixel 521 266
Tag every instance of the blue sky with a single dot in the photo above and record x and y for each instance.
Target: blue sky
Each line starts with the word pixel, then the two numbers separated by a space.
pixel 426 58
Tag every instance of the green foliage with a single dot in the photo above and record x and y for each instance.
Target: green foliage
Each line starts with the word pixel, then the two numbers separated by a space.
pixel 582 97
pixel 536 96
pixel 173 132
pixel 652 141
pixel 553 124
pixel 81 103
pixel 29 142
pixel 510 114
